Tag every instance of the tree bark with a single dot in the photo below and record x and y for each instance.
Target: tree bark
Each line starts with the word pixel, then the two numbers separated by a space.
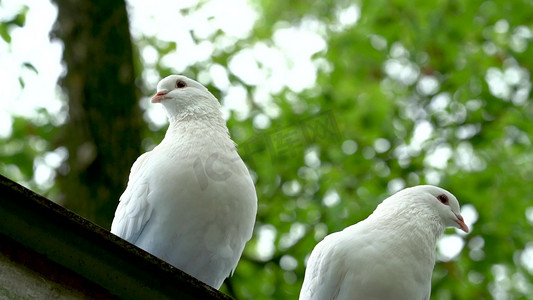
pixel 102 133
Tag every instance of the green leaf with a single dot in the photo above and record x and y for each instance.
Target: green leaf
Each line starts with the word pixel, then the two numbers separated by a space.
pixel 21 82
pixel 30 66
pixel 4 33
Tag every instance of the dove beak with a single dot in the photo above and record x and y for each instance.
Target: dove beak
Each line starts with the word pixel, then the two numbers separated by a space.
pixel 159 96
pixel 461 223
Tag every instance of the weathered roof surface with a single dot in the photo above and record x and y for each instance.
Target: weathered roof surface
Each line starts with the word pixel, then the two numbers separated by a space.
pixel 81 257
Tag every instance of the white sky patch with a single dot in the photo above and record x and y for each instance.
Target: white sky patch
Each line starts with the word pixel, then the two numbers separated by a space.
pixel 56 157
pixel 288 263
pixel 422 133
pixel 291 188
pixel 6 124
pixel 346 17
pixel 433 177
pixel 266 236
pixel 312 157
pixel 44 167
pixel 497 85
pixel 262 97
pixel 439 157
pixel 529 214
pixel 149 55
pixel 395 185
pixel 449 246
pixel 349 147
pixel 236 18
pixel 331 198
pixel 244 65
pixel 397 50
pixel 43 174
pixel 502 26
pixel 151 77
pixel 402 70
pixel 155 114
pixel 378 42
pixel 399 67
pixel 470 215
pixel 236 100
pixel 428 85
pixel 526 257
pixel 381 145
pixel 165 20
pixel 466 158
pixel 296 232
pixel 261 121
pixel 299 44
pixel 467 131
pixel 272 65
pixel 219 75
pixel 30 44
pixel 520 37
pixel 439 102
pixel 284 61
pixel 302 41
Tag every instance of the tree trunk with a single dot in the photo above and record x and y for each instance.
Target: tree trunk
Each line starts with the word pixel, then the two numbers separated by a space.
pixel 102 133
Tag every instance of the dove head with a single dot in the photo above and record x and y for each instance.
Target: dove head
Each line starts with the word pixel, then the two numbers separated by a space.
pixel 438 201
pixel 182 96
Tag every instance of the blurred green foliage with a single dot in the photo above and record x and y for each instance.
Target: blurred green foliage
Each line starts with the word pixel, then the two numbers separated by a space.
pixel 461 71
pixel 18 20
pixel 412 92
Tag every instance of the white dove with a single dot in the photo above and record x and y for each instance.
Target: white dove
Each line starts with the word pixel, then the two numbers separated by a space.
pixel 190 201
pixel 389 255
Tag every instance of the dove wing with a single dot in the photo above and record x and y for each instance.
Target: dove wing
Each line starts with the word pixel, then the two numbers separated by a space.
pixel 133 211
pixel 324 274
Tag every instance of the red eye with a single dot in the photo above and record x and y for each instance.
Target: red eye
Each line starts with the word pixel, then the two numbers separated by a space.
pixel 443 199
pixel 180 84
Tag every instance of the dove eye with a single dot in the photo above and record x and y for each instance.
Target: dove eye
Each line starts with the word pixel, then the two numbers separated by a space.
pixel 443 199
pixel 180 84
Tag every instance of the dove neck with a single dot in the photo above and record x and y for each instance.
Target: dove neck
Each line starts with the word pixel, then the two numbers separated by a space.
pixel 416 224
pixel 199 129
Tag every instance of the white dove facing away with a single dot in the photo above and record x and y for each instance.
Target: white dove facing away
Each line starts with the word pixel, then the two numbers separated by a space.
pixel 389 255
pixel 190 201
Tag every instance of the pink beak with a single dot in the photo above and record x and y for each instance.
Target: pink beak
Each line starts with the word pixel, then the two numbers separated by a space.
pixel 462 224
pixel 159 96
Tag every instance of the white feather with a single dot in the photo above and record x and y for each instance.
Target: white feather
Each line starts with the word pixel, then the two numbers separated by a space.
pixel 190 201
pixel 389 255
